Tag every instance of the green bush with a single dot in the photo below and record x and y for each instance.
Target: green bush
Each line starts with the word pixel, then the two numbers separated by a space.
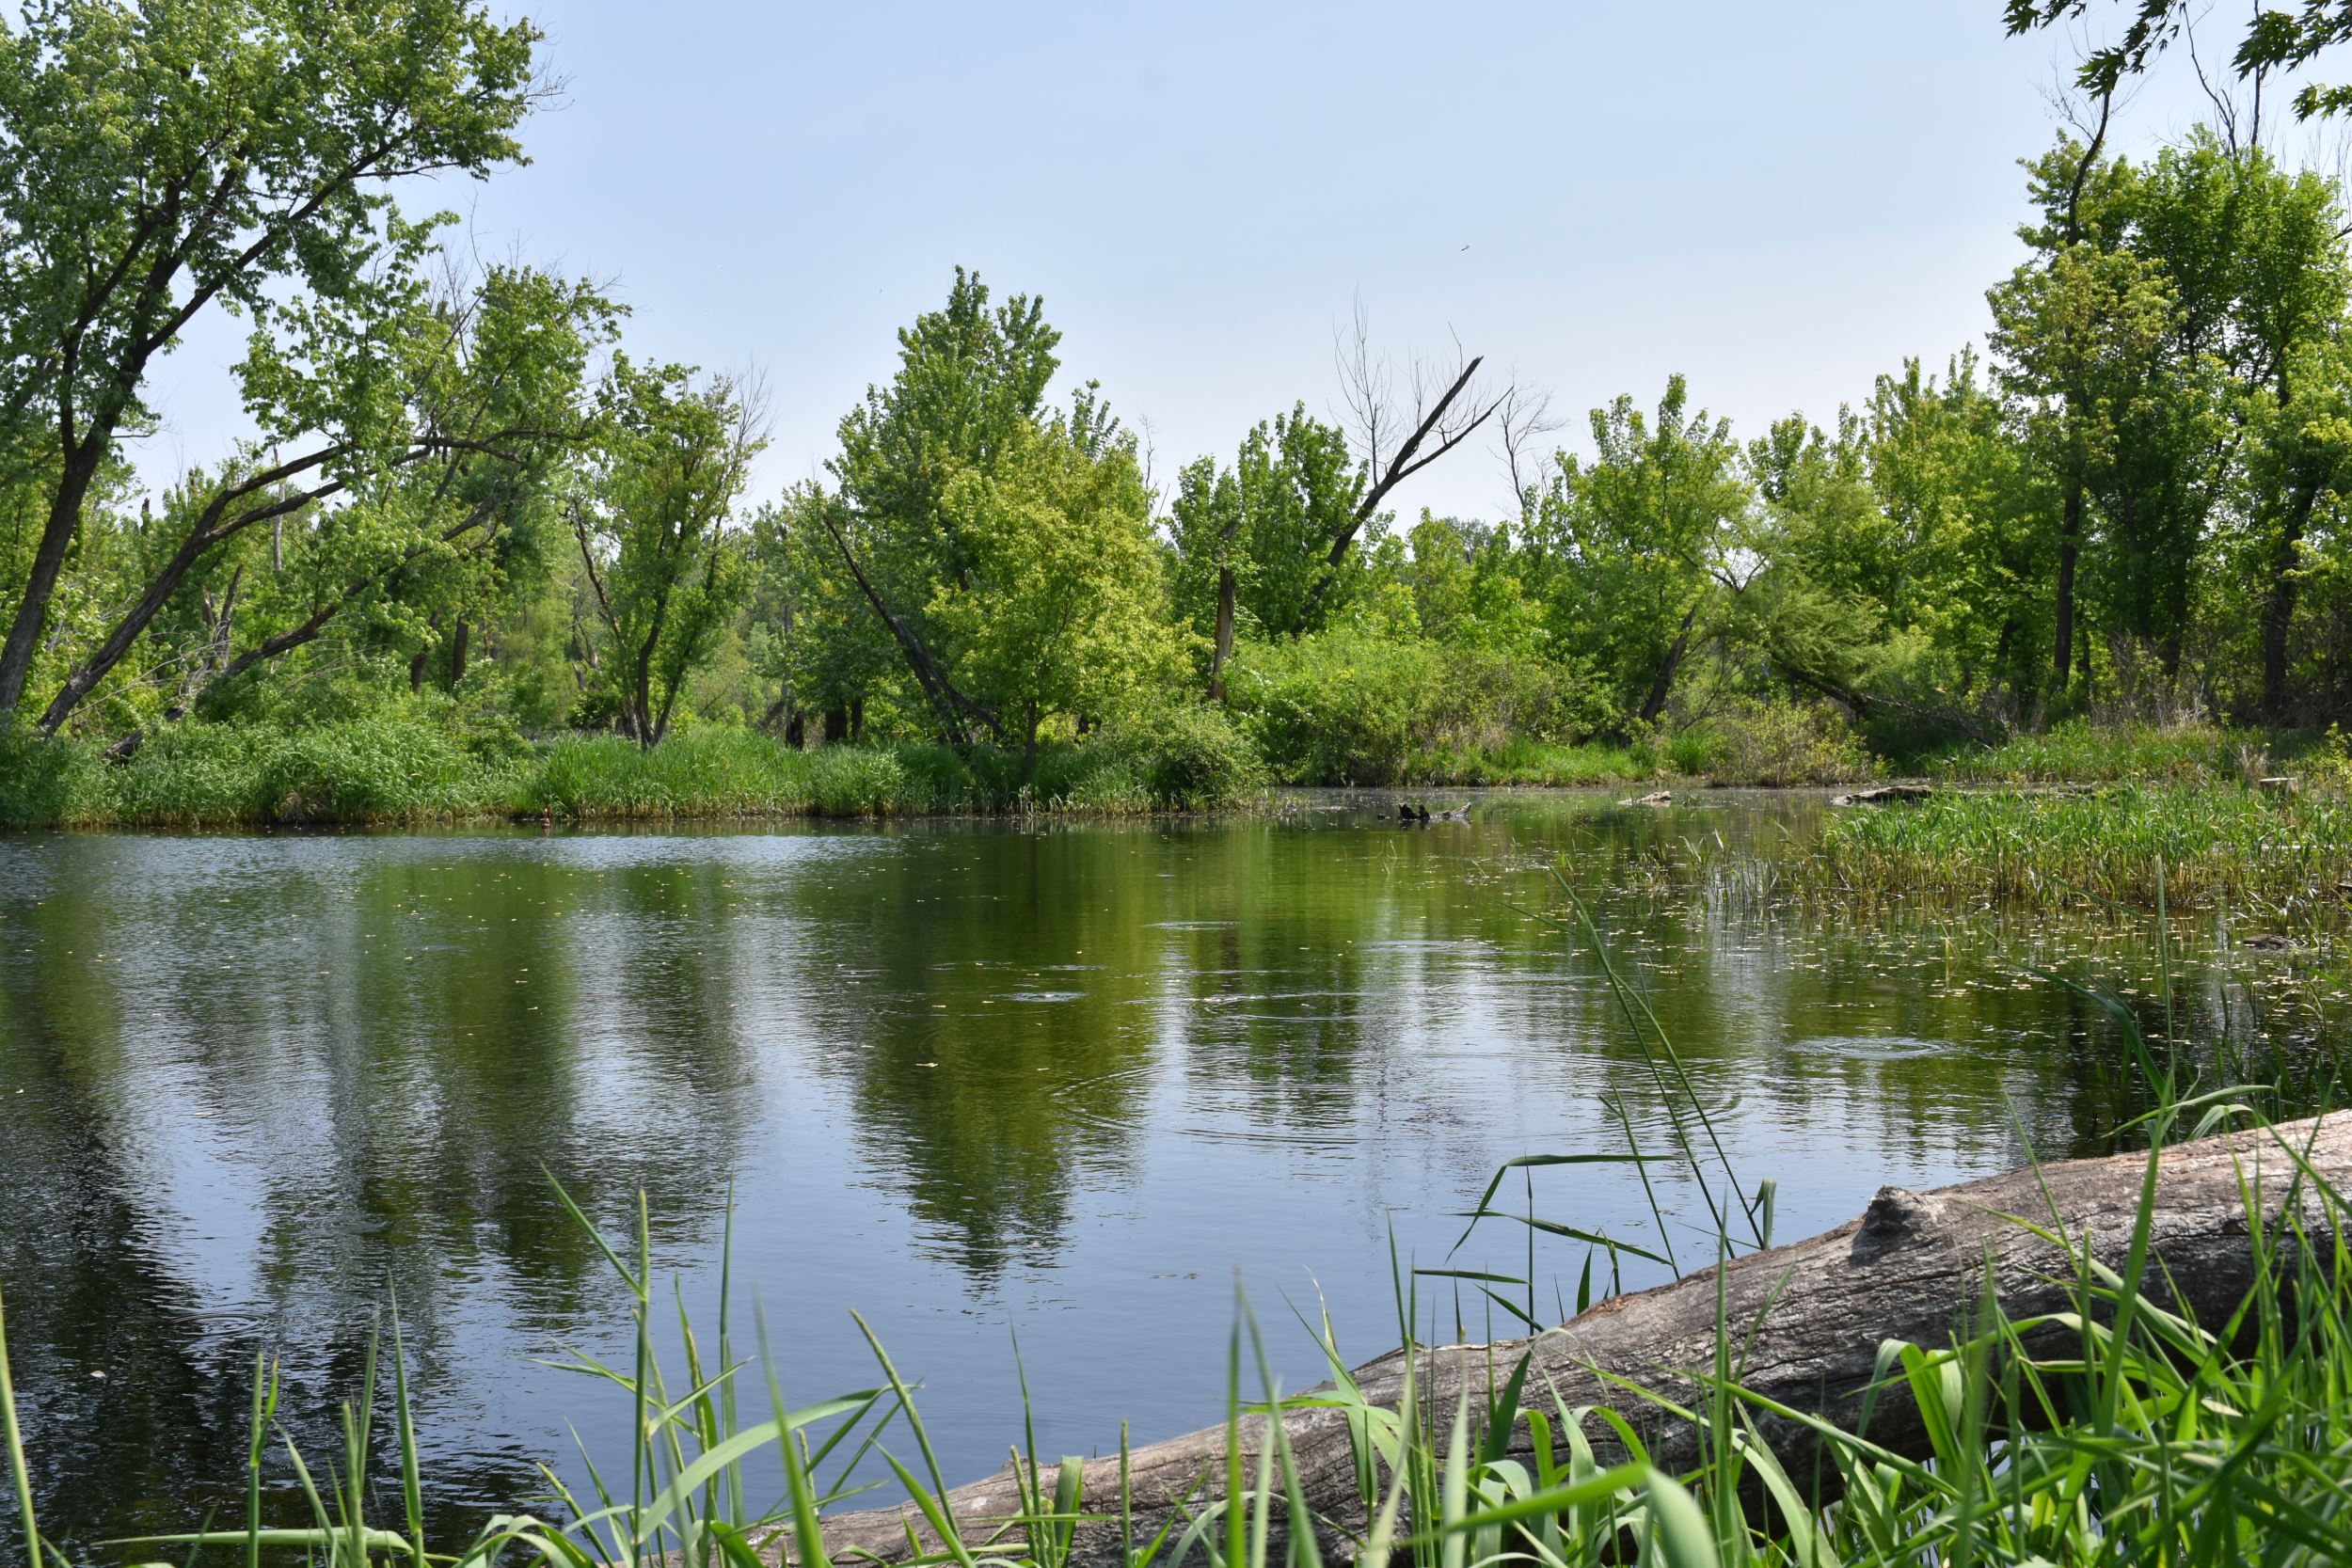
pixel 1772 743
pixel 1352 706
pixel 1188 756
pixel 385 769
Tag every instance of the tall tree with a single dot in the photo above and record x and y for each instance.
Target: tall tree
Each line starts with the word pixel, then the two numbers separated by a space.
pixel 1253 540
pixel 1061 608
pixel 969 386
pixel 651 516
pixel 1647 528
pixel 424 445
pixel 165 159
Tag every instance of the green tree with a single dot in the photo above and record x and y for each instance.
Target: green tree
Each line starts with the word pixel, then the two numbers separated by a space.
pixel 813 632
pixel 1061 608
pixel 969 386
pixel 476 393
pixel 1970 516
pixel 166 159
pixel 1251 541
pixel 1644 535
pixel 651 515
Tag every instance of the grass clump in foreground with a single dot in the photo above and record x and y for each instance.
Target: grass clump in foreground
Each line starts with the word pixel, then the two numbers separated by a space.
pixel 2287 855
pixel 2146 1437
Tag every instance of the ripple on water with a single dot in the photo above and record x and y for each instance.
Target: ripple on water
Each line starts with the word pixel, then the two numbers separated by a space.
pixel 1869 1048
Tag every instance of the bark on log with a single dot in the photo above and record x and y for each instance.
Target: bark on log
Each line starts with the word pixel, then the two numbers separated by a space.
pixel 1911 1268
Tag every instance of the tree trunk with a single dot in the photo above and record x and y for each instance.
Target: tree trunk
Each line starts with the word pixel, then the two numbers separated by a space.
pixel 423 660
pixel 458 639
pixel 641 713
pixel 40 583
pixel 2070 546
pixel 1222 651
pixel 2278 613
pixel 1810 1316
pixel 1662 685
pixel 857 721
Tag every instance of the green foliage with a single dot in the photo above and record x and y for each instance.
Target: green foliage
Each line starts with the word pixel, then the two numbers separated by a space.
pixel 1641 540
pixel 1269 520
pixel 46 780
pixel 652 520
pixel 172 158
pixel 1189 755
pixel 1058 606
pixel 2191 845
pixel 1356 704
pixel 1772 743
pixel 2077 752
pixel 392 766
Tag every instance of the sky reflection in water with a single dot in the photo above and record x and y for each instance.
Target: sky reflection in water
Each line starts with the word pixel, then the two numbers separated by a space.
pixel 966 1079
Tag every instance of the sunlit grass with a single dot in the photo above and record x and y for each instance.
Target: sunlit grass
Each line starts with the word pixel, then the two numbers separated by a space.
pixel 2281 854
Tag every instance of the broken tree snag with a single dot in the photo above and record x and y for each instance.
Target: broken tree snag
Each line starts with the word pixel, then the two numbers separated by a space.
pixel 1883 794
pixel 1911 1268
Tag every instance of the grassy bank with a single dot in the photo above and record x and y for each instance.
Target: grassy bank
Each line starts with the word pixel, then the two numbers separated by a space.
pixel 2078 753
pixel 2213 844
pixel 389 773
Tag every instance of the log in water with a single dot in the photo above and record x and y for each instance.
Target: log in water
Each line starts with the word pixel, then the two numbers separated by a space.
pixel 1810 1318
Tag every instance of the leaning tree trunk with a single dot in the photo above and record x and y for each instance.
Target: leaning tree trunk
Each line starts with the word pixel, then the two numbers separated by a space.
pixel 1810 1318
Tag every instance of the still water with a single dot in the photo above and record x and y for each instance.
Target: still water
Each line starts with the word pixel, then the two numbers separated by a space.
pixel 971 1081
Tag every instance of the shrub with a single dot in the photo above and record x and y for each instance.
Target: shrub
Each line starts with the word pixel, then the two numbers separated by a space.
pixel 2077 751
pixel 859 780
pixel 1337 708
pixel 1774 743
pixel 1187 756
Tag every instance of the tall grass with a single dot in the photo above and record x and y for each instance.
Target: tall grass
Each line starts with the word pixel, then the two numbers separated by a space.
pixel 398 768
pixel 2077 752
pixel 2146 1437
pixel 2283 854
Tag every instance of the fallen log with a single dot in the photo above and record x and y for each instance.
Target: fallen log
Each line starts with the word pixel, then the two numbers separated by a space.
pixel 1880 795
pixel 1810 1316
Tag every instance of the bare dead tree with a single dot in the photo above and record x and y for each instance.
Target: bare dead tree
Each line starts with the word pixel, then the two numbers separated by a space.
pixel 1522 421
pixel 1443 404
pixel 2240 124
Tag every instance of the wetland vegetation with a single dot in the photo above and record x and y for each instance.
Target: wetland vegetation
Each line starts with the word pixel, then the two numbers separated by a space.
pixel 1003 917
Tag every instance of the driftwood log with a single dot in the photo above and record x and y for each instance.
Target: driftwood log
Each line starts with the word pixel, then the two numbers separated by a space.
pixel 1883 794
pixel 1913 1268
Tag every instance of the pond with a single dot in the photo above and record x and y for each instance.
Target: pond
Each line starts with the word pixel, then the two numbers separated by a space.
pixel 1070 1082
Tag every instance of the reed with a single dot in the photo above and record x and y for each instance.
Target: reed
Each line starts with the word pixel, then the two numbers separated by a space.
pixel 2276 853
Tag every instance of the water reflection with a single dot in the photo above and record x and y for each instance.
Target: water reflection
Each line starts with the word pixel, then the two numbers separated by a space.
pixel 965 1078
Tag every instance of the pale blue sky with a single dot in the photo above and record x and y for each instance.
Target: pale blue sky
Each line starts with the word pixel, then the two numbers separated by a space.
pixel 1780 201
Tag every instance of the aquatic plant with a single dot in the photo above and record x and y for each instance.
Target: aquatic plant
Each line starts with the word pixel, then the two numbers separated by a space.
pixel 2281 853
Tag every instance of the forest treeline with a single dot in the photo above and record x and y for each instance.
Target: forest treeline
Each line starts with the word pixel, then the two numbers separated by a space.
pixel 470 505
